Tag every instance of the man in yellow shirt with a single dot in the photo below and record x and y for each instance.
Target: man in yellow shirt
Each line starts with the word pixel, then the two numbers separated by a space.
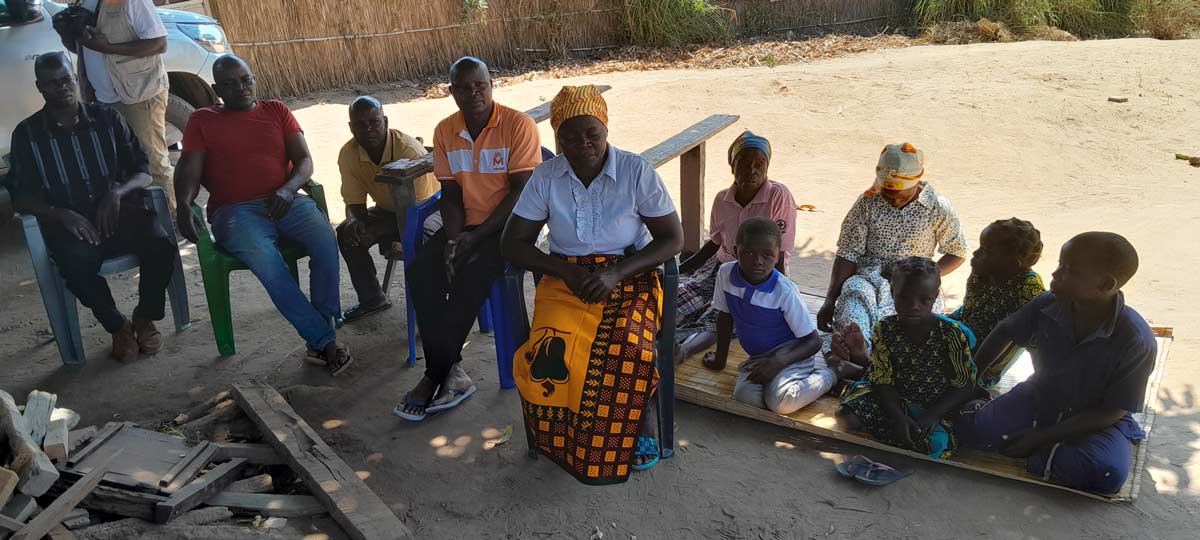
pixel 360 160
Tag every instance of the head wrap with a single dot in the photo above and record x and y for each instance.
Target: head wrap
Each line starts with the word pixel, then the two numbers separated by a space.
pixel 574 101
pixel 900 167
pixel 747 141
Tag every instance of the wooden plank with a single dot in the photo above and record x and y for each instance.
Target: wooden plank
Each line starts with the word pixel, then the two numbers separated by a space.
pixel 76 438
pixel 146 456
pixel 355 507
pixel 112 500
pixel 26 459
pixel 59 532
pixel 9 525
pixel 688 139
pixel 187 460
pixel 38 408
pixel 102 437
pixel 262 483
pixel 66 502
pixel 199 491
pixel 77 519
pixel 71 417
pixel 192 468
pixel 8 484
pixel 269 504
pixel 202 409
pixel 256 454
pixel 55 444
pixel 19 508
pixel 691 197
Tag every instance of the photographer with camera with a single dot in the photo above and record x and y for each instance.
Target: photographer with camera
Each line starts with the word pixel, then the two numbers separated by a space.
pixel 121 43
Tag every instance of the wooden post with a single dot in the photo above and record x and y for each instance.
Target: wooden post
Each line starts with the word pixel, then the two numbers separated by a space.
pixel 691 197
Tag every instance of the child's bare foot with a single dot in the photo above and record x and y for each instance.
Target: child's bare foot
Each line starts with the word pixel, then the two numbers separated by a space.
pixel 710 361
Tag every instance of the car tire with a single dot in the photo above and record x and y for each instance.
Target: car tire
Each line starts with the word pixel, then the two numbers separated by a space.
pixel 178 113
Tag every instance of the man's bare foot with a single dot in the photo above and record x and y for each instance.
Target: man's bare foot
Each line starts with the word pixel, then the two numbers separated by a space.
pixel 418 399
pixel 457 382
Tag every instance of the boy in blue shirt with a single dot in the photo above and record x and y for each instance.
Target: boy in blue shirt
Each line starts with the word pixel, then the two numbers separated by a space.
pixel 1092 358
pixel 785 371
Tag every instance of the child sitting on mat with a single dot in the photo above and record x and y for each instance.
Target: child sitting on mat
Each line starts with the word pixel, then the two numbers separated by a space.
pixel 785 371
pixel 920 367
pixel 1002 281
pixel 1072 419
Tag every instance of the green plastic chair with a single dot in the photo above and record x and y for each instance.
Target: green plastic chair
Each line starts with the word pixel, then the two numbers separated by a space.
pixel 216 264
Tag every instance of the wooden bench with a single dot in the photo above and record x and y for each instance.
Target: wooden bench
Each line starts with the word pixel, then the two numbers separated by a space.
pixel 688 146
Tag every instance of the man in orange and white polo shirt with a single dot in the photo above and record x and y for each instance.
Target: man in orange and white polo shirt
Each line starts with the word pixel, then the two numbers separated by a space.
pixel 482 155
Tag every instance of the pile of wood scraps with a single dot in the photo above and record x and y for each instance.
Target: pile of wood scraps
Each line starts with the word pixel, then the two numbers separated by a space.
pixel 242 458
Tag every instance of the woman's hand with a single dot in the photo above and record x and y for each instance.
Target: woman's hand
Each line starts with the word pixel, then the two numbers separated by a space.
pixel 575 277
pixel 825 315
pixel 598 285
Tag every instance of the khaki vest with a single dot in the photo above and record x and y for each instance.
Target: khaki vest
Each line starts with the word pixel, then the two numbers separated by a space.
pixel 135 79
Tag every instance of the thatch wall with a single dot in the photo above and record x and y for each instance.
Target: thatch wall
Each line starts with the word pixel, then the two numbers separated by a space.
pixel 299 46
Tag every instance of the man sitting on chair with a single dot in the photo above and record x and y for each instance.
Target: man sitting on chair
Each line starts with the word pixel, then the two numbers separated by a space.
pixel 252 158
pixel 483 155
pixel 360 161
pixel 73 165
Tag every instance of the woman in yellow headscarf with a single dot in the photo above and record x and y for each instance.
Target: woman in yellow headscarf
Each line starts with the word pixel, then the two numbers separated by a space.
pixel 587 374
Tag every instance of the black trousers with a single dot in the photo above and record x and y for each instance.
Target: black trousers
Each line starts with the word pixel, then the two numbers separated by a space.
pixel 381 229
pixel 79 263
pixel 446 311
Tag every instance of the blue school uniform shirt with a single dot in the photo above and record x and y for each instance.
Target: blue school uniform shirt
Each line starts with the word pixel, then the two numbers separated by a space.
pixel 1109 368
pixel 766 315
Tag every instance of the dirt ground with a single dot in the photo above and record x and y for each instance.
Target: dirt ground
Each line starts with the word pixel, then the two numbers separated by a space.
pixel 1019 129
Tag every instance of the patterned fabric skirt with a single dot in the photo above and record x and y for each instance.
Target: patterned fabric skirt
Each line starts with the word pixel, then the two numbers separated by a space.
pixel 696 293
pixel 861 399
pixel 587 373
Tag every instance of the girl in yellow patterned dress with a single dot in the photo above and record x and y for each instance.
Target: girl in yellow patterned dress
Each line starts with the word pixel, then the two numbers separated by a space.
pixel 1002 281
pixel 920 367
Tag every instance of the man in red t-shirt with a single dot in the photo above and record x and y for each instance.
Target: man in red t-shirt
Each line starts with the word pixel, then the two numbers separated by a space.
pixel 251 157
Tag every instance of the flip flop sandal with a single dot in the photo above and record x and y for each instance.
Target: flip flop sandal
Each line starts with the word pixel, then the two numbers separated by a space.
pixel 409 402
pixel 854 466
pixel 338 367
pixel 460 396
pixel 878 474
pixel 358 312
pixel 647 446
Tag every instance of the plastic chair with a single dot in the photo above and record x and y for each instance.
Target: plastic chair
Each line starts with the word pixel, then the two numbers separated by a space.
pixel 216 264
pixel 60 303
pixel 492 317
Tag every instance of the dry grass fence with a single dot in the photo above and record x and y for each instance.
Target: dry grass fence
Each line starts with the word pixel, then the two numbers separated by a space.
pixel 300 46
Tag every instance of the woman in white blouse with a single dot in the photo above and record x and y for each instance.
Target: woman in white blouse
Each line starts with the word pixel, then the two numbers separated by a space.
pixel 587 374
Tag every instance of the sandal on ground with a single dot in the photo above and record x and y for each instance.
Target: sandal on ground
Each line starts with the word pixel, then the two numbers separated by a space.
pixel 647 447
pixel 359 312
pixel 342 359
pixel 410 402
pixel 878 474
pixel 854 466
pixel 460 395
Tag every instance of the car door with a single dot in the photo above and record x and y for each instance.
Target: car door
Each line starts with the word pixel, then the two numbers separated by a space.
pixel 20 44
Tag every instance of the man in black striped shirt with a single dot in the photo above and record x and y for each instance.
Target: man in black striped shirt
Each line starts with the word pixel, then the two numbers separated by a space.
pixel 74 167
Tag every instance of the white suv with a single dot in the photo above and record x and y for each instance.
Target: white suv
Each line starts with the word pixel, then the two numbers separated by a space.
pixel 193 43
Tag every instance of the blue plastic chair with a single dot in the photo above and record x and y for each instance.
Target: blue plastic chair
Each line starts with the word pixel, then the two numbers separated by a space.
pixel 493 318
pixel 60 303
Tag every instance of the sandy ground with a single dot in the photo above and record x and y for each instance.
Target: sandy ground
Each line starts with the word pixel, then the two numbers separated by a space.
pixel 1018 129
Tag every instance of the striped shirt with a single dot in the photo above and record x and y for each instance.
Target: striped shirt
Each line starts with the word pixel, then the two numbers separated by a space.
pixel 508 145
pixel 74 168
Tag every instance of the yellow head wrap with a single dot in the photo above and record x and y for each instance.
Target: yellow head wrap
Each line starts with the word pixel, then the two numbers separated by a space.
pixel 574 101
pixel 900 167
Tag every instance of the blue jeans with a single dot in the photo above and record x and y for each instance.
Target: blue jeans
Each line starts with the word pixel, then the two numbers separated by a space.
pixel 246 232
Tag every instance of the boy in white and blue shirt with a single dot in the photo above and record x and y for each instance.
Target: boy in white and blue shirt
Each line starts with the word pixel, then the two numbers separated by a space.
pixel 785 371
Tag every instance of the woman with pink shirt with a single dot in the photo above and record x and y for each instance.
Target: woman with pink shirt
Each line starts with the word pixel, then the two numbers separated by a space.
pixel 751 195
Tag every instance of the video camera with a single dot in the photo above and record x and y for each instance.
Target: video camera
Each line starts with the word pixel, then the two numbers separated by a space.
pixel 70 22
